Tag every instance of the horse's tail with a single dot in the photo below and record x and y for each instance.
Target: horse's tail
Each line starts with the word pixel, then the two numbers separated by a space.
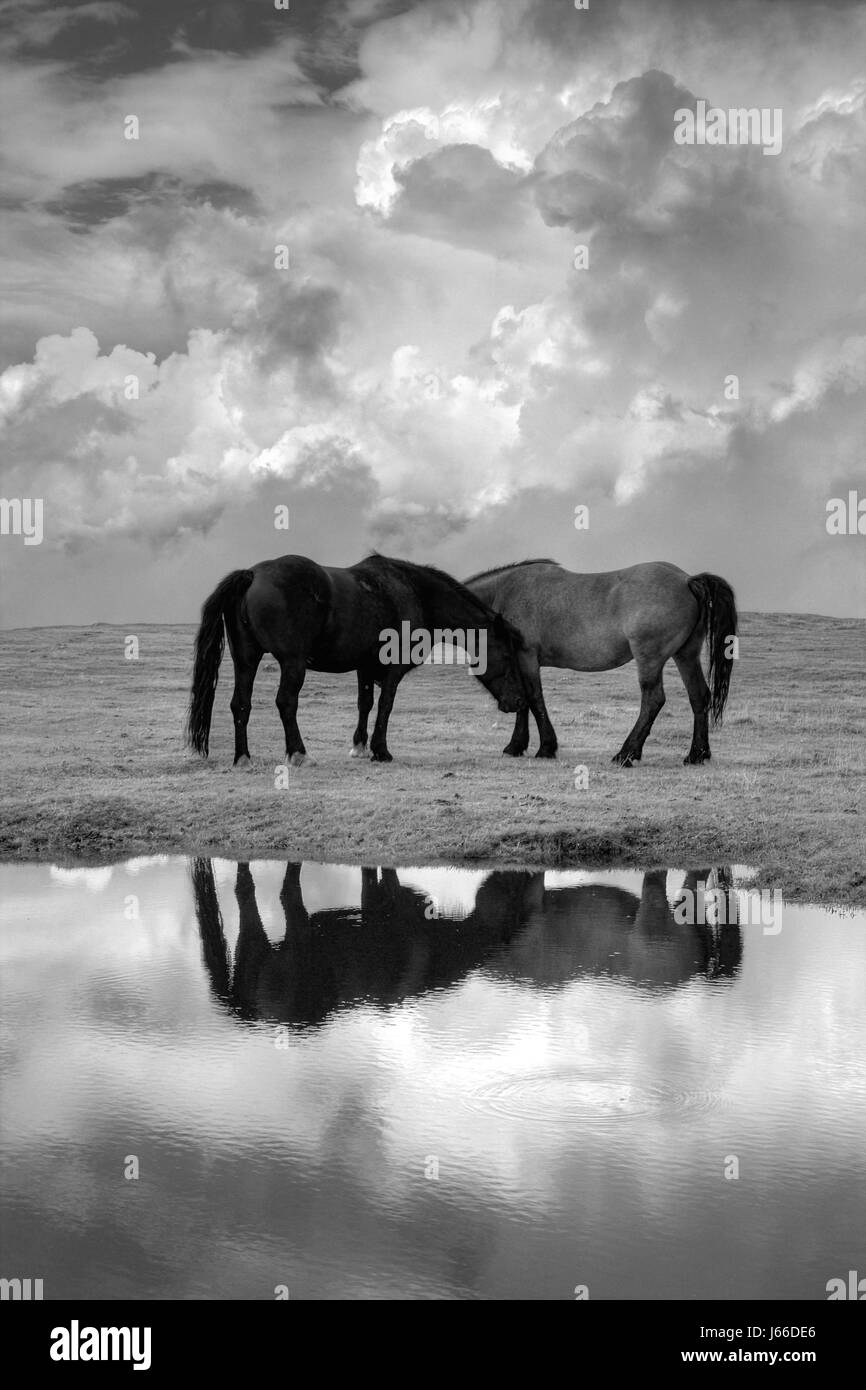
pixel 209 644
pixel 210 922
pixel 719 615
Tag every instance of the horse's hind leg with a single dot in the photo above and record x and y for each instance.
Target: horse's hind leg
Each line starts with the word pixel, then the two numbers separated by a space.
pixel 246 656
pixel 292 673
pixel 379 741
pixel 689 666
pixel 652 698
pixel 292 901
pixel 547 740
pixel 253 947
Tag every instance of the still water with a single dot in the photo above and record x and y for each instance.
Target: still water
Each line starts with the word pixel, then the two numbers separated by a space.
pixel 220 1081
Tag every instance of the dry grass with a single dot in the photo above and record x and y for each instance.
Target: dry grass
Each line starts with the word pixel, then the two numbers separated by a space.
pixel 95 767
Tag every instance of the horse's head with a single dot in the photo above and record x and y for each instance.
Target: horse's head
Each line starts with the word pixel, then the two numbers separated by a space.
pixel 503 676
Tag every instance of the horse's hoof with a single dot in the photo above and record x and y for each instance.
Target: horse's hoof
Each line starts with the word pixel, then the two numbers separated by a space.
pixel 623 760
pixel 359 750
pixel 510 752
pixel 383 757
pixel 693 759
pixel 546 753
pixel 242 764
pixel 299 759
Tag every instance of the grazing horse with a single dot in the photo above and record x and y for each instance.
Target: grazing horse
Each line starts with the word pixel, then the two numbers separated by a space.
pixel 596 622
pixel 315 617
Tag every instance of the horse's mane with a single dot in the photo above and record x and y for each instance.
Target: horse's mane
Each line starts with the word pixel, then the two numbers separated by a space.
pixel 419 574
pixel 515 565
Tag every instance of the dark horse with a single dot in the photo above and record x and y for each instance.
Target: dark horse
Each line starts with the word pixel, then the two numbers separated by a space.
pixel 316 617
pixel 390 949
pixel 387 951
pixel 595 622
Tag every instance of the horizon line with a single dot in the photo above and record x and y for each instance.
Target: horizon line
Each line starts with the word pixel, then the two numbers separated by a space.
pixel 193 622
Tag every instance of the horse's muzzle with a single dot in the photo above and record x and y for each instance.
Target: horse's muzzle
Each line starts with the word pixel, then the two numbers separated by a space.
pixel 511 704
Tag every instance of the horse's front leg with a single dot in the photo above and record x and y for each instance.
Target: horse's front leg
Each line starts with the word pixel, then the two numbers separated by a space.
pixel 547 740
pixel 378 743
pixel 652 693
pixel 519 741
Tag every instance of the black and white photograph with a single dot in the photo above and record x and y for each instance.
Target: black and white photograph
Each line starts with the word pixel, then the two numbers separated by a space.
pixel 433 661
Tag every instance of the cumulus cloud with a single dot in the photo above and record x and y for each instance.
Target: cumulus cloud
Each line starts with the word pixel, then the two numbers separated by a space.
pixel 408 137
pixel 463 196
pixel 435 351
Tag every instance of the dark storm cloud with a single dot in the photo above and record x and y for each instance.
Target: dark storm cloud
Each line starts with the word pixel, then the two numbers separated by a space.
pixel 462 195
pixel 93 202
pixel 94 37
pixel 295 324
pixel 570 30
pixel 139 36
pixel 563 26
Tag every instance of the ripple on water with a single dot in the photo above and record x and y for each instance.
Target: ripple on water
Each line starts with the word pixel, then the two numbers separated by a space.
pixel 556 1097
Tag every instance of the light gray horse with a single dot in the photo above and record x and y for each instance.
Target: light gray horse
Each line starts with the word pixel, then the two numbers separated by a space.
pixel 596 622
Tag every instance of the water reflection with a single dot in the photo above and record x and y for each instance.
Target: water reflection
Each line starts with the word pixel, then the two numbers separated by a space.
pixel 286 1052
pixel 398 942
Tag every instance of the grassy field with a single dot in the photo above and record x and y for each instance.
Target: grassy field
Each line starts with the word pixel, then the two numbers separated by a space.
pixel 95 767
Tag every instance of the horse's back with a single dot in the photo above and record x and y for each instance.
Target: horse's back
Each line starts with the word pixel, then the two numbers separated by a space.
pixel 653 604
pixel 589 620
pixel 286 574
pixel 649 578
pixel 288 603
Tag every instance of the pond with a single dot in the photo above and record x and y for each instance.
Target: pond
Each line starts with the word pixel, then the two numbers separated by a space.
pixel 270 1080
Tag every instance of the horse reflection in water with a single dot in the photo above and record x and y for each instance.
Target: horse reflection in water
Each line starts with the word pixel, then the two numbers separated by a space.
pixel 392 949
pixel 382 954
pixel 598 929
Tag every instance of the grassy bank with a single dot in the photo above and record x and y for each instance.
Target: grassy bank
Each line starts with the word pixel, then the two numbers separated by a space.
pixel 95 769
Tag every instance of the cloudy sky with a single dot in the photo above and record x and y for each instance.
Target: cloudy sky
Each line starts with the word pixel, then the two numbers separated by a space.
pixel 431 374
